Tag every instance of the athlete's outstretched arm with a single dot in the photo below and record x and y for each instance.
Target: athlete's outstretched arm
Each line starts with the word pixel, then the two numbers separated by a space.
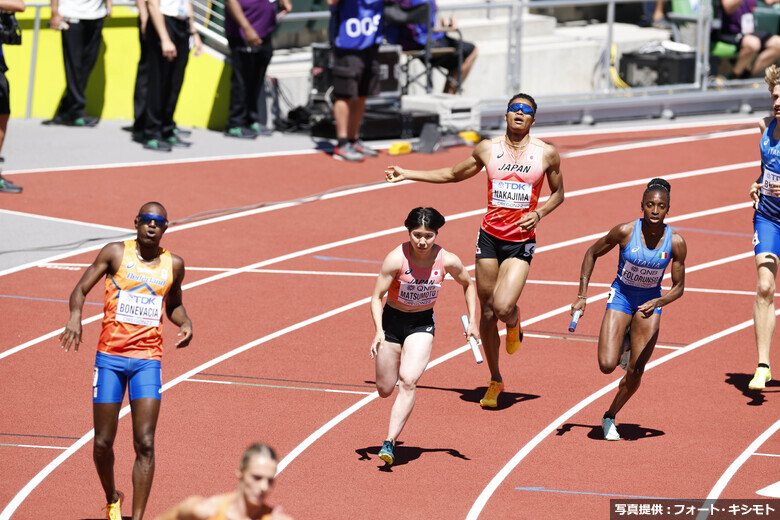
pixel 679 252
pixel 174 307
pixel 455 268
pixel 603 245
pixel 461 171
pixel 107 262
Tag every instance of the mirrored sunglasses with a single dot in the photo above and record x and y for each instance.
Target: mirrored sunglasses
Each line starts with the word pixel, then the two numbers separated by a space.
pixel 520 107
pixel 147 218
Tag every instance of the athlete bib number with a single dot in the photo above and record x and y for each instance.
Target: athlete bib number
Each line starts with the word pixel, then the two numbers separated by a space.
pixel 357 27
pixel 640 277
pixel 769 176
pixel 139 309
pixel 512 194
pixel 415 295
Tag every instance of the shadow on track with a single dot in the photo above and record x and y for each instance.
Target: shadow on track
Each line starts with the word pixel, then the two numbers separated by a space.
pixel 505 400
pixel 404 454
pixel 757 397
pixel 628 431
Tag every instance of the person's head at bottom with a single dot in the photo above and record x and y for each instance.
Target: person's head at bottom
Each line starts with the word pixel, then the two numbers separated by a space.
pixel 256 474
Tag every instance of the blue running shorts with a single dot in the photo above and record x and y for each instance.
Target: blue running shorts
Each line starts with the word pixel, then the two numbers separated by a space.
pixel 628 299
pixel 113 374
pixel 766 235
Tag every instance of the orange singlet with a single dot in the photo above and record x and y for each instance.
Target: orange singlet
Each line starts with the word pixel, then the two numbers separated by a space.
pixel 134 303
pixel 220 514
pixel 515 178
pixel 414 286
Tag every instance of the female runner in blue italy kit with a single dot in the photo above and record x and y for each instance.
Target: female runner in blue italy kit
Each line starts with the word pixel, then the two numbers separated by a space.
pixel 766 237
pixel 647 246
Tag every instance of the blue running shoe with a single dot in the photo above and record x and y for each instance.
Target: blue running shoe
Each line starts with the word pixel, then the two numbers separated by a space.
pixel 386 453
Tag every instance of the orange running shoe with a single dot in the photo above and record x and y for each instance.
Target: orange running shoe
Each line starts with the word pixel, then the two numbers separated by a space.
pixel 114 510
pixel 514 337
pixel 491 396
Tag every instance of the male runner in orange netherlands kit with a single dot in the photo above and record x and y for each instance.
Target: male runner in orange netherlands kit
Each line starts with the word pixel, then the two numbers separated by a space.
pixel 141 278
pixel 516 166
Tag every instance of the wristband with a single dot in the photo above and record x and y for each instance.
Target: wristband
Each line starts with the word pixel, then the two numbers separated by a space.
pixel 537 214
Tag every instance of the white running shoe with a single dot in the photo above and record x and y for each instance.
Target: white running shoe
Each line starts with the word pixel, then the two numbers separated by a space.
pixel 610 430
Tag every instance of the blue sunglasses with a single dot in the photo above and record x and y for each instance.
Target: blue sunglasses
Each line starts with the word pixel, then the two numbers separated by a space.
pixel 520 107
pixel 147 218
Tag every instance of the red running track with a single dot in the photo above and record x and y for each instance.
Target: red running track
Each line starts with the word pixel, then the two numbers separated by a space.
pixel 279 300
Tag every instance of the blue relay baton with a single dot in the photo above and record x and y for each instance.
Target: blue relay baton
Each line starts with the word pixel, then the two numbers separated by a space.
pixel 574 319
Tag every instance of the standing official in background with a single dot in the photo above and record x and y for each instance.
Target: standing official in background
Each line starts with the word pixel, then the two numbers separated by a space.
pixel 81 25
pixel 249 29
pixel 6 186
pixel 168 40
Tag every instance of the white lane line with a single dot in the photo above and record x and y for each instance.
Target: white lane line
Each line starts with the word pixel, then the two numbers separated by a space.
pixel 280 387
pixel 541 133
pixel 189 160
pixel 660 142
pixel 488 491
pixel 67 221
pixel 39 339
pixel 33 446
pixel 773 490
pixel 581 338
pixel 766 455
pixel 576 193
pixel 727 475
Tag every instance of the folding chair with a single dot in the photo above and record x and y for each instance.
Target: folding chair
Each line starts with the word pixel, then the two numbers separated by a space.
pixel 397 17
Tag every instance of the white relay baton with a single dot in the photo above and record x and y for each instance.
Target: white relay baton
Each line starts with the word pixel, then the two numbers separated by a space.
pixel 474 347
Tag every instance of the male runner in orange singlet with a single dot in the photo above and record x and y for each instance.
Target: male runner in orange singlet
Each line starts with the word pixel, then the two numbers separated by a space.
pixel 141 279
pixel 516 165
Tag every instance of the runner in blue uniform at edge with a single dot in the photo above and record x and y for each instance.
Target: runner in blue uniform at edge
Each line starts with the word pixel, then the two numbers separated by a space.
pixel 647 247
pixel 766 236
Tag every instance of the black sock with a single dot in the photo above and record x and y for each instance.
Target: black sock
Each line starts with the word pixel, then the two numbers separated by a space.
pixel 343 141
pixel 353 141
pixel 763 365
pixel 607 416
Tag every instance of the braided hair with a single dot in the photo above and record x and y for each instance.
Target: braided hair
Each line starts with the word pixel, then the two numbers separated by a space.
pixel 658 184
